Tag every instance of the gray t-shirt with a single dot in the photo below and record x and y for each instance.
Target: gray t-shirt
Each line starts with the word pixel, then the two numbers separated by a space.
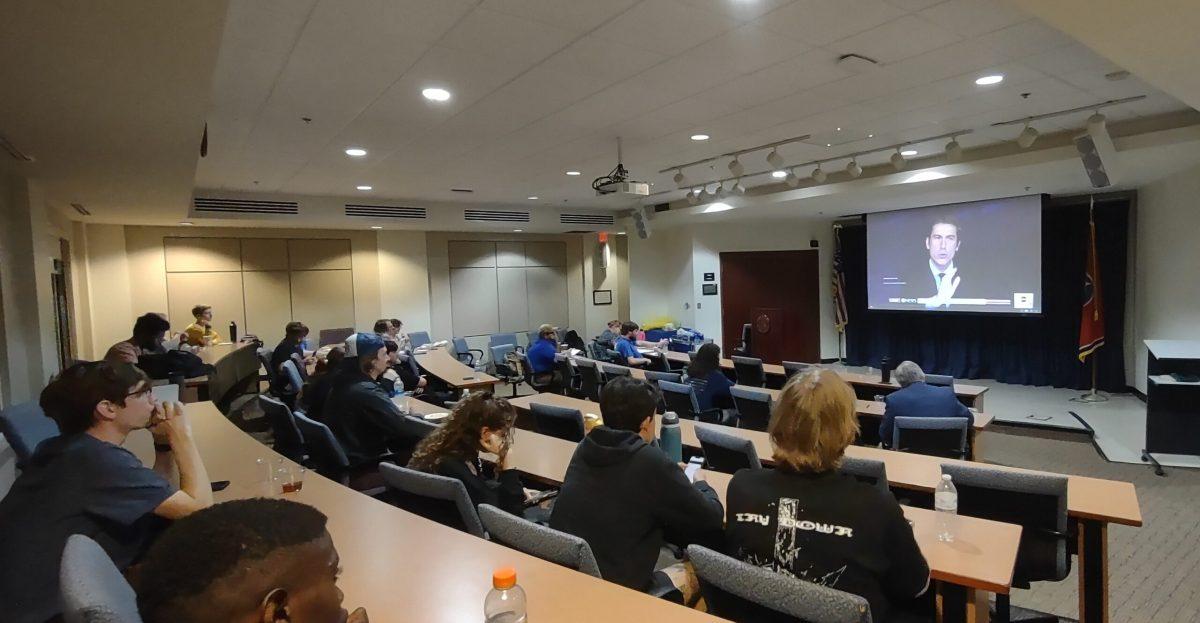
pixel 75 484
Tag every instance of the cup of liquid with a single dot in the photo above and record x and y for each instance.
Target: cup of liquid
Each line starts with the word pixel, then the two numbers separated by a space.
pixel 296 480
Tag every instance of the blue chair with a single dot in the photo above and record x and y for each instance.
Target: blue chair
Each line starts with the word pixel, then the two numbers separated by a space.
pixel 419 338
pixel 324 451
pixel 940 380
pixel 91 587
pixel 503 370
pixel 25 426
pixel 288 440
pixel 465 353
pixel 500 339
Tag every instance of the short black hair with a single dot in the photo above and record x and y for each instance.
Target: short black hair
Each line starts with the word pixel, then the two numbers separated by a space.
pixel 391 346
pixel 70 398
pixel 382 326
pixel 200 309
pixel 626 327
pixel 295 329
pixel 149 325
pixel 626 402
pixel 209 544
pixel 945 220
pixel 396 322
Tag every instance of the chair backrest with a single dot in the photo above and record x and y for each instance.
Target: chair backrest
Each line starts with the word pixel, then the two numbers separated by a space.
pixel 869 471
pixel 500 339
pixel 462 351
pixel 419 338
pixel 434 497
pixel 1035 501
pixel 420 427
pixel 499 352
pixel 749 371
pixel 323 448
pixel 615 356
pixel 941 380
pixel 93 590
pixel 288 440
pixel 792 368
pixel 333 336
pixel 589 379
pixel 264 357
pixel 546 543
pixel 295 383
pixel 654 376
pixel 558 422
pixel 724 452
pixel 680 398
pixel 937 436
pixel 754 408
pixel 746 335
pixel 740 591
pixel 609 371
pixel 25 425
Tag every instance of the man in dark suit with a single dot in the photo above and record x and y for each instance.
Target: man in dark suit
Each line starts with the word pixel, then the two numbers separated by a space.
pixel 915 398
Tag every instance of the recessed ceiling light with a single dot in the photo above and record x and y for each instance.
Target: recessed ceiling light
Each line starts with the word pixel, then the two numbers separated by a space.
pixel 518 230
pixel 699 137
pixel 717 207
pixel 908 152
pixel 377 227
pixel 992 79
pixel 363 187
pixel 532 197
pixel 188 223
pixel 356 152
pixel 435 94
pixel 778 174
pixel 572 172
pixel 839 129
pixel 829 144
pixel 870 136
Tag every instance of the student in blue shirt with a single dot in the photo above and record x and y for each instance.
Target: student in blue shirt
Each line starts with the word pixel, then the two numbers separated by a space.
pixel 541 353
pixel 704 373
pixel 627 346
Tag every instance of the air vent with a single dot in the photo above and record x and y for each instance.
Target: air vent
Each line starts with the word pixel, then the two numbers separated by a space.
pixel 462 190
pixel 585 219
pixel 80 209
pixel 496 216
pixel 210 205
pixel 379 211
pixel 16 154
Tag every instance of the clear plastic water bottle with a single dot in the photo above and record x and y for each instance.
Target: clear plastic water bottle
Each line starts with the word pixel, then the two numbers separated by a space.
pixel 669 438
pixel 505 603
pixel 945 502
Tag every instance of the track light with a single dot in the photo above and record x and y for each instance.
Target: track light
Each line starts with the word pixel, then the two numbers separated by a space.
pixel 853 168
pixel 738 189
pixel 693 196
pixel 898 161
pixel 680 179
pixel 1096 124
pixel 775 159
pixel 1027 137
pixel 953 150
pixel 818 174
pixel 719 192
pixel 736 168
pixel 792 179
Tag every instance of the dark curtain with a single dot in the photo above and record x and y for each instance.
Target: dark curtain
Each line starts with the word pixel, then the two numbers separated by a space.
pixel 1027 350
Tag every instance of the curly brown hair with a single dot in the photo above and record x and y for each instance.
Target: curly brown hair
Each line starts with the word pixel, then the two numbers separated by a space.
pixel 459 438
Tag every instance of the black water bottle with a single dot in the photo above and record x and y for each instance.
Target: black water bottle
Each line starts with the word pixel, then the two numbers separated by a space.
pixel 232 332
pixel 885 369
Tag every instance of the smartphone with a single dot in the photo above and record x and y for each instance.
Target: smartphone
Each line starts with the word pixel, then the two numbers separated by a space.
pixel 693 466
pixel 541 497
pixel 219 485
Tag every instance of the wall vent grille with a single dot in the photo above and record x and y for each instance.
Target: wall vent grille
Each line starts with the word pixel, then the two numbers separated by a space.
pixel 496 216
pixel 209 205
pixel 382 211
pixel 586 219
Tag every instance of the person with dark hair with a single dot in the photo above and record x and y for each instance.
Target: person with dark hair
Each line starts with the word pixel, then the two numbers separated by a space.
pixel 401 337
pixel 316 390
pixel 627 498
pixel 481 422
pixel 289 349
pixel 704 373
pixel 149 333
pixel 383 327
pixel 84 482
pixel 626 345
pixel 200 332
pixel 359 411
pixel 256 560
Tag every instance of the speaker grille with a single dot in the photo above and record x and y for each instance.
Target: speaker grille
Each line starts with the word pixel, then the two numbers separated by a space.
pixel 211 205
pixel 382 211
pixel 496 216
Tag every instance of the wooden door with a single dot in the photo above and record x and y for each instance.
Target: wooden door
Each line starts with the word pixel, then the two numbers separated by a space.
pixel 777 293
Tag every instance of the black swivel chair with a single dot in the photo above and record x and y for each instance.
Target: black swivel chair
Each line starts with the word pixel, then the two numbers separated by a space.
pixel 504 371
pixel 940 380
pixel 610 371
pixel 792 368
pixel 743 349
pixel 568 379
pixel 1035 501
pixel 681 398
pixel 868 471
pixel 589 379
pixel 754 408
pixel 726 453
pixel 936 436
pixel 540 383
pixel 288 440
pixel 559 422
pixel 433 497
pixel 749 371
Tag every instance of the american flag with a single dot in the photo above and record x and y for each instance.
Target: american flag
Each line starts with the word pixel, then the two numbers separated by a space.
pixel 839 283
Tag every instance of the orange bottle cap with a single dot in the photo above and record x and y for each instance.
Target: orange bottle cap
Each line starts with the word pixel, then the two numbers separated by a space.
pixel 504 578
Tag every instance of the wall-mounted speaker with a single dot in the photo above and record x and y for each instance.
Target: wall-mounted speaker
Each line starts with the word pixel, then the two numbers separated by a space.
pixel 641 221
pixel 1098 154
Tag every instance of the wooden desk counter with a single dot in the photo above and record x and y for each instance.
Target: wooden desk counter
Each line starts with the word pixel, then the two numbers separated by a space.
pixel 455 373
pixel 402 567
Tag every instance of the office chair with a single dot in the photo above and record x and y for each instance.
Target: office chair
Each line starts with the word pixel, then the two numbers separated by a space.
pixel 559 422
pixel 743 349
pixel 589 379
pixel 433 497
pixel 654 376
pixel 25 425
pixel 504 371
pixel 91 587
pixel 1035 501
pixel 541 383
pixel 868 471
pixel 610 371
pixel 749 371
pixel 264 358
pixel 537 540
pixel 287 438
pixel 500 339
pixel 418 338
pixel 753 408
pixel 568 379
pixel 613 356
pixel 792 368
pixel 295 383
pixel 935 436
pixel 747 593
pixel 726 453
pixel 940 380
pixel 333 336
pixel 681 398
pixel 325 453
pixel 465 353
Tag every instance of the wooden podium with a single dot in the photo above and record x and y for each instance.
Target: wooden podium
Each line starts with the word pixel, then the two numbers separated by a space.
pixel 1172 406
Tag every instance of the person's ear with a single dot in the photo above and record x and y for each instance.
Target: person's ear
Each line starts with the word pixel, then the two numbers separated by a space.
pixel 275 607
pixel 926 242
pixel 106 410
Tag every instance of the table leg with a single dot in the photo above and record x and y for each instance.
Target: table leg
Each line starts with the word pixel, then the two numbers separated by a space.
pixel 1093 571
pixel 959 604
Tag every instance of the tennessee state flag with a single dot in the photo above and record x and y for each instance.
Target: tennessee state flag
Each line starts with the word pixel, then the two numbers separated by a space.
pixel 1091 323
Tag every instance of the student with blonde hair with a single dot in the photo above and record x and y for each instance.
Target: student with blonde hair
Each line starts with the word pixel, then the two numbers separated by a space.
pixel 806 520
pixel 201 332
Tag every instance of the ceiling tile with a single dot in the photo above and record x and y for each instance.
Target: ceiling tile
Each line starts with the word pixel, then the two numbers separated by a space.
pixel 897 40
pixel 914 5
pixel 813 68
pixel 522 41
pixel 579 17
pixel 665 27
pixel 974 17
pixel 399 20
pixel 1020 40
pixel 820 22
pixel 741 10
pixel 744 50
pixel 602 61
pixel 1066 59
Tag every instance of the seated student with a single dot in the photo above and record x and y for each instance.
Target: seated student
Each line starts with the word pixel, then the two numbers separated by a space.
pixel 704 373
pixel 316 390
pixel 383 328
pixel 627 498
pixel 401 337
pixel 611 332
pixel 84 482
pixel 200 332
pixel 915 398
pixel 359 412
pixel 258 559
pixel 479 423
pixel 541 354
pixel 289 348
pixel 861 544
pixel 149 333
pixel 626 345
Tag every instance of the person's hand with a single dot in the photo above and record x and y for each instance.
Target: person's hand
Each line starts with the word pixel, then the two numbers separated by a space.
pixel 170 423
pixel 699 476
pixel 422 381
pixel 122 352
pixel 358 616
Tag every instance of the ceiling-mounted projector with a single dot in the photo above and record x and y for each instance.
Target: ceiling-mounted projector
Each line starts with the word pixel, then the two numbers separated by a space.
pixel 617 181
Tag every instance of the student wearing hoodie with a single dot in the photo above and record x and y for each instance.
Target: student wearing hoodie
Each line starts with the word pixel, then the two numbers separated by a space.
pixel 627 498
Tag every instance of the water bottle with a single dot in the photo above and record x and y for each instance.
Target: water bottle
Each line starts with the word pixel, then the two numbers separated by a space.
pixel 885 370
pixel 668 437
pixel 945 502
pixel 505 603
pixel 304 345
pixel 232 332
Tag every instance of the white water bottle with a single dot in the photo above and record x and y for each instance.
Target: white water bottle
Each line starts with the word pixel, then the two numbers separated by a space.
pixel 945 502
pixel 505 603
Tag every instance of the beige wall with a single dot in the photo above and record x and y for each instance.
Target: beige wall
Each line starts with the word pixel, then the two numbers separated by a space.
pixel 404 278
pixel 614 277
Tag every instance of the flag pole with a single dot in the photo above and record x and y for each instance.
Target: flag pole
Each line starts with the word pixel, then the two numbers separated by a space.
pixel 1093 271
pixel 1094 394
